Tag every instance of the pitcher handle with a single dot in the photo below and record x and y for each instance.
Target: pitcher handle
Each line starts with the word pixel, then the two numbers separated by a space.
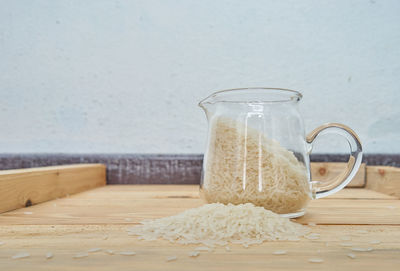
pixel 323 190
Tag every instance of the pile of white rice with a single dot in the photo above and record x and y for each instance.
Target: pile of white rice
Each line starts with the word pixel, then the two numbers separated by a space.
pixel 219 224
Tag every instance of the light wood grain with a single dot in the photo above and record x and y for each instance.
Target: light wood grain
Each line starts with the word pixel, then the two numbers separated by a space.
pixel 66 241
pixel 325 172
pixel 25 187
pixel 117 203
pixel 100 218
pixel 384 179
pixel 192 191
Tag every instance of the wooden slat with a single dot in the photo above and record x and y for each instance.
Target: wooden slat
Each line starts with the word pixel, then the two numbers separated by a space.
pixel 65 241
pixel 100 218
pixel 122 204
pixel 321 171
pixel 192 191
pixel 384 179
pixel 25 187
pixel 359 193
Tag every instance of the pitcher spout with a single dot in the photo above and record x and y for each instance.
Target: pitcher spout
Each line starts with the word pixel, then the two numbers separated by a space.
pixel 208 104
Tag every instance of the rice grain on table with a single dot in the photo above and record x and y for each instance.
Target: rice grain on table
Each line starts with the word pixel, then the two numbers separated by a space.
pixel 81 255
pixel 203 249
pixel 49 255
pixel 194 253
pixel 315 260
pixel 351 255
pixel 313 236
pixel 375 242
pixel 95 249
pixel 280 252
pixel 362 249
pixel 171 258
pixel 21 255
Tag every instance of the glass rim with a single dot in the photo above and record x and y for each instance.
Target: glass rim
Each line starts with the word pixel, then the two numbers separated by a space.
pixel 294 97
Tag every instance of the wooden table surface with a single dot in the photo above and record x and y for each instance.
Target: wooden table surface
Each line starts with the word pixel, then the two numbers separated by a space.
pixel 99 218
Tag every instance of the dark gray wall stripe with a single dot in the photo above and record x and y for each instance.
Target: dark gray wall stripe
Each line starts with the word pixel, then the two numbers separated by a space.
pixel 155 168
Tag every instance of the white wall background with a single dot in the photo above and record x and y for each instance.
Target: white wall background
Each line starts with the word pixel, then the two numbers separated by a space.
pixel 126 76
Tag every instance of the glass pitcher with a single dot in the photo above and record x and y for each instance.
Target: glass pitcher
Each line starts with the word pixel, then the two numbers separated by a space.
pixel 257 151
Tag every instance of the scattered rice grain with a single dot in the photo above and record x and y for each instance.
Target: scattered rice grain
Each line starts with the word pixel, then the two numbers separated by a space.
pixel 81 255
pixel 28 213
pixel 128 219
pixel 109 251
pixel 362 249
pixel 49 255
pixel 315 260
pixel 194 253
pixel 351 255
pixel 313 236
pixel 227 248
pixel 105 237
pixel 171 258
pixel 2 243
pixel 312 224
pixel 280 252
pixel 203 249
pixel 375 242
pixel 21 255
pixel 95 249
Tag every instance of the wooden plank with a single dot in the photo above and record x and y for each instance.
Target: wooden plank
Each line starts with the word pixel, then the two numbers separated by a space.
pixel 321 171
pixel 384 179
pixel 66 241
pixel 26 187
pixel 359 193
pixel 192 191
pixel 121 204
pixel 99 218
